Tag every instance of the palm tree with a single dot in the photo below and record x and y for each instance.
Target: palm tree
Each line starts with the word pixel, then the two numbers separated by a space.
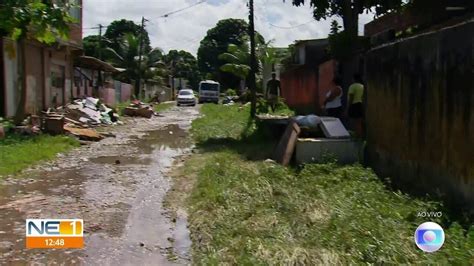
pixel 238 59
pixel 127 57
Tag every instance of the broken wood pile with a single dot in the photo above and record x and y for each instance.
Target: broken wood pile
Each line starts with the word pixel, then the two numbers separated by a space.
pixel 138 108
pixel 78 118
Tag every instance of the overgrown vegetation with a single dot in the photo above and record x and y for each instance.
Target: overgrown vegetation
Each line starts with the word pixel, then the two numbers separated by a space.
pixel 18 152
pixel 263 107
pixel 257 212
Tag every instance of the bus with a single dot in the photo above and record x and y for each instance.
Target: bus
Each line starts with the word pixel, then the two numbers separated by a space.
pixel 209 91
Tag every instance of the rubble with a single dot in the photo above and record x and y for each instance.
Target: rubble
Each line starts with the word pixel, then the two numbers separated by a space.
pixel 89 112
pixel 138 108
pixel 84 133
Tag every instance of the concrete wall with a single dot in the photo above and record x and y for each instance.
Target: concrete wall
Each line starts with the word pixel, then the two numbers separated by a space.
pixel 10 62
pixel 420 117
pixel 126 92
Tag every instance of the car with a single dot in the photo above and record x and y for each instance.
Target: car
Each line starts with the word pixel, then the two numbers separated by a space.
pixel 186 97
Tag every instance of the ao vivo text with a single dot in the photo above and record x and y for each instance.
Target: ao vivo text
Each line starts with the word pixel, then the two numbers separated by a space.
pixel 430 214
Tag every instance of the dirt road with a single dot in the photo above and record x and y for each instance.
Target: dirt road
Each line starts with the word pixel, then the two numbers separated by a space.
pixel 116 186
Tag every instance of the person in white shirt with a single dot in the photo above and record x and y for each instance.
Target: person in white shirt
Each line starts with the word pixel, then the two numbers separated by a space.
pixel 333 104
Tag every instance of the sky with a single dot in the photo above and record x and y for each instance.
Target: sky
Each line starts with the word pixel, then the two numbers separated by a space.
pixel 277 21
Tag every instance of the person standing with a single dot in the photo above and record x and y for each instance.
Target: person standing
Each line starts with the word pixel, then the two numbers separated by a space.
pixel 355 98
pixel 273 91
pixel 333 104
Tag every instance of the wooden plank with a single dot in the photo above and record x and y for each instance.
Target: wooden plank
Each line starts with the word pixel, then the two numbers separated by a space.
pixel 286 145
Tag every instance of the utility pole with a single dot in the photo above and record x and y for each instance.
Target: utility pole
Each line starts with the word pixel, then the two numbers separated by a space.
pixel 100 42
pixel 140 51
pixel 99 81
pixel 253 62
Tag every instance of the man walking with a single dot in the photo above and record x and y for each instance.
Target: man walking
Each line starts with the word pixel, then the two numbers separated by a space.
pixel 273 91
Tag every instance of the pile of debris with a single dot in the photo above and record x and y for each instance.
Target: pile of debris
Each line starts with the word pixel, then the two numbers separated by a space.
pixel 90 112
pixel 78 117
pixel 138 108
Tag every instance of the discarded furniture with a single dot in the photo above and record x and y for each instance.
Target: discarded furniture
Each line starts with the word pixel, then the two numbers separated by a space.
pixel 271 125
pixel 53 124
pixel 134 111
pixel 345 151
pixel 286 146
pixel 333 128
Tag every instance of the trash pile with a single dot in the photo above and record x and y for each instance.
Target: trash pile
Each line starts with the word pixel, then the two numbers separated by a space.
pixel 138 108
pixel 88 112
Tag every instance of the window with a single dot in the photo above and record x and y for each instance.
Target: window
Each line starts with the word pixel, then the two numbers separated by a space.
pixel 185 93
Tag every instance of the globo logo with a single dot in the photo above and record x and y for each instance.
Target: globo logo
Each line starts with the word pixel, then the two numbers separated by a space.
pixel 429 237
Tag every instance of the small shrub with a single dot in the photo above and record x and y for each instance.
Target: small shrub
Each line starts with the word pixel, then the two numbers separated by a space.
pixel 230 92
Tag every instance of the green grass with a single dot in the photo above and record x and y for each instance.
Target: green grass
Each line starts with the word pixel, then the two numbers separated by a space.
pixel 120 106
pixel 163 106
pixel 18 153
pixel 259 213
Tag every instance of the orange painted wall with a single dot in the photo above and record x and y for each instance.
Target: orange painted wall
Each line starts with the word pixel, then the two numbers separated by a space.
pixel 300 88
pixel 327 71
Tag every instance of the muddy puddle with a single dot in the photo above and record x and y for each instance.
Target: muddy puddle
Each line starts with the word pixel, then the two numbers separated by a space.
pixel 117 187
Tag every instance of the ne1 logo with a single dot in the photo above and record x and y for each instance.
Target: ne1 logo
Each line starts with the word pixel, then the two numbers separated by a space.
pixel 54 233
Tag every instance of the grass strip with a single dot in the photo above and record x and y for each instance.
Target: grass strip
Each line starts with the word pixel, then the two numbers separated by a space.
pixel 253 212
pixel 18 152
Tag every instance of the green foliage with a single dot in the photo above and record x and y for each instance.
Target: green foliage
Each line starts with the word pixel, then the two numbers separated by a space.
pixel 260 213
pixel 91 46
pixel 119 28
pixel 230 92
pixel 328 8
pixel 18 152
pixel 35 18
pixel 182 64
pixel 222 122
pixel 263 107
pixel 7 124
pixel 216 42
pixel 127 57
pixel 237 60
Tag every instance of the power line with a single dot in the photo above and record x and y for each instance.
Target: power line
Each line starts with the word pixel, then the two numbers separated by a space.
pixel 182 9
pixel 292 27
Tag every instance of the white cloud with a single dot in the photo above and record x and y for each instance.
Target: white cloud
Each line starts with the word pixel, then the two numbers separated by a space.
pixel 184 30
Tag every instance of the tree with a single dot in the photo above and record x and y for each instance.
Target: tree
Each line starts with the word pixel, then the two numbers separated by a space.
pixel 91 45
pixel 349 10
pixel 119 28
pixel 238 59
pixel 227 31
pixel 126 57
pixel 35 19
pixel 182 64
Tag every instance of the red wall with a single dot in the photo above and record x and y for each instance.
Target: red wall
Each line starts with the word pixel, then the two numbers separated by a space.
pixel 299 87
pixel 327 71
pixel 305 88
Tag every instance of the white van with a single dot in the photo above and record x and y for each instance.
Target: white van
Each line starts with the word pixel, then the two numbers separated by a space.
pixel 209 91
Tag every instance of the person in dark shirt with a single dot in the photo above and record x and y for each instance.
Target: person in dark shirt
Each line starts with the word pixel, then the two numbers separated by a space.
pixel 273 91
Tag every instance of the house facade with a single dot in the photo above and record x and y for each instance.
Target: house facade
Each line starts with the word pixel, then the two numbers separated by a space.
pixel 306 81
pixel 49 70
